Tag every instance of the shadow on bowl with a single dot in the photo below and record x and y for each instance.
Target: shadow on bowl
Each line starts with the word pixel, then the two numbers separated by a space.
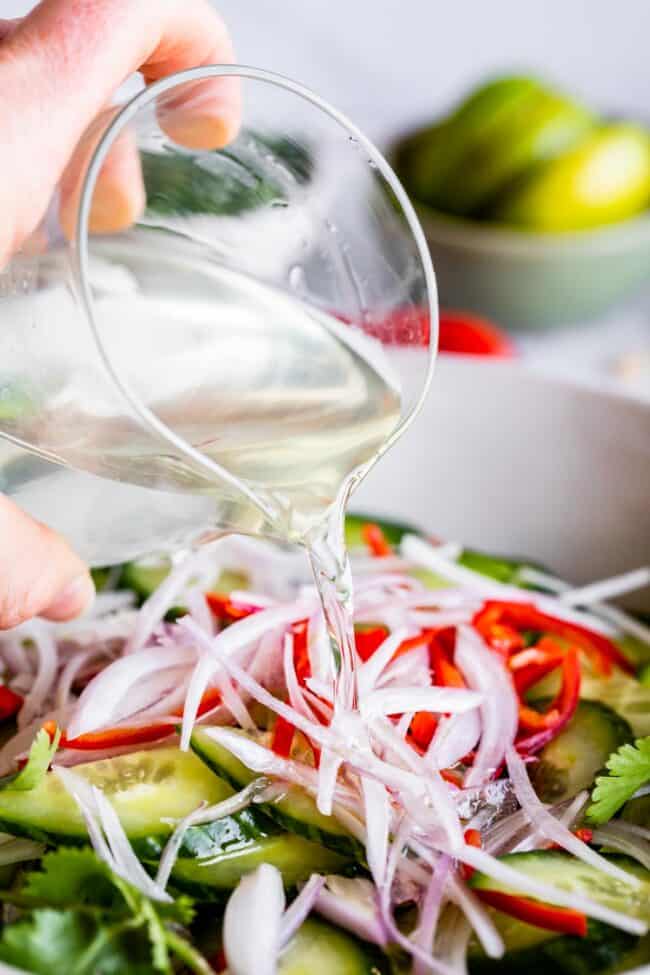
pixel 526 280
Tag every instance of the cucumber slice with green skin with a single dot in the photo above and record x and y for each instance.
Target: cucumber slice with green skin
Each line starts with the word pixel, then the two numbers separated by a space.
pixel 144 579
pixel 213 877
pixel 295 810
pixel 319 948
pixel 574 758
pixel 143 787
pixel 564 871
pixel 604 951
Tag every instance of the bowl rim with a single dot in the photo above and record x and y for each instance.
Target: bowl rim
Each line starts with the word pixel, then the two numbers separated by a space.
pixel 479 236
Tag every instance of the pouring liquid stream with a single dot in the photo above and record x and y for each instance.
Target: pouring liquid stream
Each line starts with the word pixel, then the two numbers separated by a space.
pixel 291 403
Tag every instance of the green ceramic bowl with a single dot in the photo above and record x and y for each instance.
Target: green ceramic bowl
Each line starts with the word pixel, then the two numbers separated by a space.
pixel 525 280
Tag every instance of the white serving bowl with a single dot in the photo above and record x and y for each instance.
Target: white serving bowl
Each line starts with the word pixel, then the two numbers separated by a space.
pixel 521 464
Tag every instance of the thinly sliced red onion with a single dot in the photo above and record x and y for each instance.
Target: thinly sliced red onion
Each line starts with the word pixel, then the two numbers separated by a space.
pixel 14 654
pixel 452 940
pixel 69 674
pixel 424 554
pixel 567 816
pixel 440 619
pixel 611 614
pixel 370 671
pixel 485 672
pixel 104 696
pixel 478 917
pixel 351 903
pixel 428 962
pixel 430 909
pixel 48 663
pixel 328 770
pixel 396 700
pixel 441 812
pixel 162 599
pixel 300 908
pixel 412 669
pixel 377 815
pixel 258 896
pixel 114 846
pixel 294 690
pixel 310 728
pixel 517 880
pixel 610 835
pixel 550 827
pixel 606 589
pixel 454 738
pixel 404 724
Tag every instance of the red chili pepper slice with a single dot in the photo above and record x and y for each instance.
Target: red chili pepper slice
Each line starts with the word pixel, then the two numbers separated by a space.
pixel 282 740
pixel 526 616
pixel 10 702
pixel 124 735
pixel 301 662
pixel 560 712
pixel 226 610
pixel 472 838
pixel 444 672
pixel 422 729
pixel 561 919
pixel 368 639
pixel 374 538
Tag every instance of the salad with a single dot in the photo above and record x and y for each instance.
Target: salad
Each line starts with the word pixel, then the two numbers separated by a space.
pixel 180 793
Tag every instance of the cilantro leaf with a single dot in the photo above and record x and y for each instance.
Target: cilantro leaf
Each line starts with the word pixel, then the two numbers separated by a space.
pixel 629 769
pixel 110 918
pixel 75 942
pixel 71 877
pixel 40 755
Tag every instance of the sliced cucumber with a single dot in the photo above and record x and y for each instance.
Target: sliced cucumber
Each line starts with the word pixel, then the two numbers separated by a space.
pixel 144 787
pixel 295 810
pixel 210 877
pixel 566 872
pixel 604 951
pixel 143 578
pixel 319 948
pixel 572 761
pixel 504 569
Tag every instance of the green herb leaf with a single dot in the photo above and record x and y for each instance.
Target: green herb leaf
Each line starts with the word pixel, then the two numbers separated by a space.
pixel 76 943
pixel 629 769
pixel 71 877
pixel 40 755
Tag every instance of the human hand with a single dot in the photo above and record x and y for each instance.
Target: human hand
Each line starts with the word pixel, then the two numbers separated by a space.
pixel 59 67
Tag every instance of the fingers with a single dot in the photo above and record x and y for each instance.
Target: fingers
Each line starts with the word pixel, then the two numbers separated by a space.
pixel 39 574
pixel 119 195
pixel 60 65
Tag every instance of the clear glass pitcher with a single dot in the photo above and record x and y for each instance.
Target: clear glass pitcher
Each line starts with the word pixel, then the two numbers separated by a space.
pixel 262 328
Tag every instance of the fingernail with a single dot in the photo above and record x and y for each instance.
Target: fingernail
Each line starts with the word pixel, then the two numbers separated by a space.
pixel 72 600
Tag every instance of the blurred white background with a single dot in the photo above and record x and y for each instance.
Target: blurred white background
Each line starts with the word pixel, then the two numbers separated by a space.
pixel 391 64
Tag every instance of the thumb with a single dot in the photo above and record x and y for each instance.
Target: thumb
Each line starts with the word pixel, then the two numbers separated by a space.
pixel 39 573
